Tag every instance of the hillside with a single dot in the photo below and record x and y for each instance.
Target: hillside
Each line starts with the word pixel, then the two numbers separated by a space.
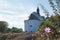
pixel 50 28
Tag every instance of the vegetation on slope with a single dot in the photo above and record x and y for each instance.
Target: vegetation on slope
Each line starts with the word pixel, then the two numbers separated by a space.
pixel 53 23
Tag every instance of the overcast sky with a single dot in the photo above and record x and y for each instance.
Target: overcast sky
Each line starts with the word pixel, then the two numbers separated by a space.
pixel 16 11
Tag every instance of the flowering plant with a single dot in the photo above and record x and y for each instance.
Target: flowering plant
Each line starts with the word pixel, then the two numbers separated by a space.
pixel 47 30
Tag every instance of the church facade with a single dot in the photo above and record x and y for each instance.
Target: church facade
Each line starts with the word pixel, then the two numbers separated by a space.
pixel 33 23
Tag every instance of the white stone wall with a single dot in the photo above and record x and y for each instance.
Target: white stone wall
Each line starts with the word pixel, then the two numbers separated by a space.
pixel 31 25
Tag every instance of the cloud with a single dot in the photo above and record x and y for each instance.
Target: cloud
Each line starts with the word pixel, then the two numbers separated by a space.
pixel 8 12
pixel 14 20
pixel 4 4
pixel 16 11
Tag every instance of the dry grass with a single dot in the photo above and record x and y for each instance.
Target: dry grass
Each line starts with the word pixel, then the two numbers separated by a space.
pixel 21 36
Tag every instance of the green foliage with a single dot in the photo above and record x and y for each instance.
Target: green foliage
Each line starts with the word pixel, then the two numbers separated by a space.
pixel 16 30
pixel 53 5
pixel 3 26
pixel 54 23
pixel 9 30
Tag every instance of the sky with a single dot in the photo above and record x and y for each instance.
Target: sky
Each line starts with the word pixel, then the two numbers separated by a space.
pixel 16 11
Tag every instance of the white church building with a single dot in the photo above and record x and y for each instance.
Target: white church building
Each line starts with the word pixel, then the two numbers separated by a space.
pixel 33 23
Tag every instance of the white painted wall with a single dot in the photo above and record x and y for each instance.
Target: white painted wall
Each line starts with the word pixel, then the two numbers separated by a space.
pixel 35 24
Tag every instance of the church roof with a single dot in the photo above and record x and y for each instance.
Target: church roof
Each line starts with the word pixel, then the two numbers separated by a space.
pixel 36 16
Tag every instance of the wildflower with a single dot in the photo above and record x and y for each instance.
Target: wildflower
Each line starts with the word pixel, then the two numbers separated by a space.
pixel 47 30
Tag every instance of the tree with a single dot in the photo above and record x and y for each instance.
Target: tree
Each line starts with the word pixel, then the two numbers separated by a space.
pixel 53 22
pixel 16 30
pixel 3 26
pixel 45 11
pixel 55 4
pixel 9 30
pixel 19 30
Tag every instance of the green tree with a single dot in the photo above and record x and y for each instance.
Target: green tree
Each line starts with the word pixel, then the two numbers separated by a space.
pixel 19 30
pixel 9 30
pixel 3 26
pixel 16 30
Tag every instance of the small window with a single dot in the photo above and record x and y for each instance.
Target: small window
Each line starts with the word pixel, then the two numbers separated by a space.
pixel 25 31
pixel 30 25
pixel 31 31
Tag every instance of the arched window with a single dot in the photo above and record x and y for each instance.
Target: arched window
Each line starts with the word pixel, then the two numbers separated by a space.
pixel 30 25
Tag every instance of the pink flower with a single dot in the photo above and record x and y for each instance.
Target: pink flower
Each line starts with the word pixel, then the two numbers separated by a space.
pixel 47 30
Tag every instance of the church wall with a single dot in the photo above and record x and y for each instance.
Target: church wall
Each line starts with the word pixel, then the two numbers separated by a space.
pixel 31 25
